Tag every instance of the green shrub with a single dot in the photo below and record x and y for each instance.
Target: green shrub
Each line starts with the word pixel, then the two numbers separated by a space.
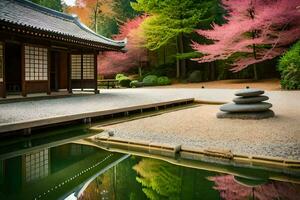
pixel 119 76
pixel 124 81
pixel 289 67
pixel 163 80
pixel 150 80
pixel 290 77
pixel 195 77
pixel 168 70
pixel 135 84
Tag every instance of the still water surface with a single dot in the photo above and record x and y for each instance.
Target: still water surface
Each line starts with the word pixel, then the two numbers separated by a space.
pixel 77 171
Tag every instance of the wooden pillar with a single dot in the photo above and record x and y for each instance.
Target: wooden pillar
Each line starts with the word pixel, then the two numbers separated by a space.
pixel 24 92
pixel 3 71
pixel 81 81
pixel 69 73
pixel 95 72
pixel 48 71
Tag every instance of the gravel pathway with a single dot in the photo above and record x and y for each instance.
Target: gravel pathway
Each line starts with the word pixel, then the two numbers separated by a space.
pixel 106 100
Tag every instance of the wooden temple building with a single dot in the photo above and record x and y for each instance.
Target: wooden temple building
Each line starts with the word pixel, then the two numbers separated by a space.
pixel 42 50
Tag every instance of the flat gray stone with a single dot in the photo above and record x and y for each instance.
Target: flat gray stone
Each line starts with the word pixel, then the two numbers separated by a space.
pixel 256 107
pixel 250 100
pixel 249 92
pixel 249 115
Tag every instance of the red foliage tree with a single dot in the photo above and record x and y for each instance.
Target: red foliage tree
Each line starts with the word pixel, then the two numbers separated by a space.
pixel 111 63
pixel 81 11
pixel 89 10
pixel 258 29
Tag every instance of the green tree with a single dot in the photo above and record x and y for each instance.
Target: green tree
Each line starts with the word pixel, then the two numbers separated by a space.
pixel 173 21
pixel 108 23
pixel 53 4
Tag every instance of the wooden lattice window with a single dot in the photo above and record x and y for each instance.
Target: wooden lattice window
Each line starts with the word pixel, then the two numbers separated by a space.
pixel 82 64
pixel 1 62
pixel 76 66
pixel 36 63
pixel 88 66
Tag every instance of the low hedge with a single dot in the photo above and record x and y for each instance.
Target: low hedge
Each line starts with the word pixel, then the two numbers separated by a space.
pixel 123 80
pixel 135 84
pixel 163 80
pixel 153 80
pixel 150 80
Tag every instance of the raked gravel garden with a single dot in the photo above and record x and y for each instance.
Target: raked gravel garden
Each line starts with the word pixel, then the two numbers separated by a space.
pixel 198 127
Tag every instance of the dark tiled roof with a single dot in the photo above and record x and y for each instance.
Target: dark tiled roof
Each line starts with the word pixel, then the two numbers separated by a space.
pixel 28 14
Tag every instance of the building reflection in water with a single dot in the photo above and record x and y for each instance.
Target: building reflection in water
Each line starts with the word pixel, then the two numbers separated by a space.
pixel 36 164
pixel 51 172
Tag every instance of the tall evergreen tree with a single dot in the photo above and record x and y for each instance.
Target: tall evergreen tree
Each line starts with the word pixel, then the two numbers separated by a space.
pixel 173 21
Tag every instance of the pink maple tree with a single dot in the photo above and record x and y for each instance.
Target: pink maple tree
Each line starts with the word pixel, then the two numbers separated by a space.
pixel 258 29
pixel 111 63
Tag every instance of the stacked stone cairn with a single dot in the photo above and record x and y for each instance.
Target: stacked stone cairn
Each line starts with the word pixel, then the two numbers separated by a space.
pixel 249 104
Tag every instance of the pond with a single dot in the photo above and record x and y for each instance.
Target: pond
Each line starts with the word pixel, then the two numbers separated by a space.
pixel 39 168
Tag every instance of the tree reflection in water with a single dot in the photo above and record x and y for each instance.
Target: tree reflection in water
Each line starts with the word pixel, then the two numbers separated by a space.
pixel 138 178
pixel 100 188
pixel 162 180
pixel 159 179
pixel 117 183
pixel 230 189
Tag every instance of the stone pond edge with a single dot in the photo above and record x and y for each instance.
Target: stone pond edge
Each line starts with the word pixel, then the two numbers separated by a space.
pixel 192 152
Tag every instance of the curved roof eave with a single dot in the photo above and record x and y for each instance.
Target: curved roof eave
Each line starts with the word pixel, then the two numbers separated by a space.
pixel 29 14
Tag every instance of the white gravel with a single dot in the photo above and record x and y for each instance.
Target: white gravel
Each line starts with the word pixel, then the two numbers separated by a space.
pixel 199 127
pixel 279 136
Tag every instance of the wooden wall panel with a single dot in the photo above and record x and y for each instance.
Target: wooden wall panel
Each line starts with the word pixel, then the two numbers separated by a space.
pixel 88 84
pixel 36 86
pixel 63 71
pixel 78 84
pixel 2 90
